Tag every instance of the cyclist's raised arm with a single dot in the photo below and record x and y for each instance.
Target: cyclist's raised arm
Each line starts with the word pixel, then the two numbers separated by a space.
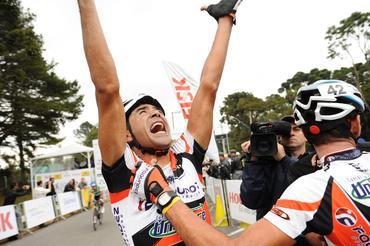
pixel 201 115
pixel 112 124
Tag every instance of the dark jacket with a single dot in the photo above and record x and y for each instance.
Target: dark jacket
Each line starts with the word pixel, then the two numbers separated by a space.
pixel 11 196
pixel 263 182
pixel 69 187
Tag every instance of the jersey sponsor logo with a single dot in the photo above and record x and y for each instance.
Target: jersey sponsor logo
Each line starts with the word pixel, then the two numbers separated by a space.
pixel 140 178
pixel 361 189
pixel 190 191
pixel 363 237
pixel 162 228
pixel 359 167
pixel 345 217
pixel 280 213
pixel 118 217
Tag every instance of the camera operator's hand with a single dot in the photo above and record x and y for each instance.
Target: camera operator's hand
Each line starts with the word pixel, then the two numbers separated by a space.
pixel 280 153
pixel 246 148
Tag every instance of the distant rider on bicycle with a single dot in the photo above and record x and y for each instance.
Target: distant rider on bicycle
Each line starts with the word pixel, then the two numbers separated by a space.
pixel 96 196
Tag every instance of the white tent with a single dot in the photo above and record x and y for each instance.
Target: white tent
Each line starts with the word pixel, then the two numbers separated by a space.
pixel 67 150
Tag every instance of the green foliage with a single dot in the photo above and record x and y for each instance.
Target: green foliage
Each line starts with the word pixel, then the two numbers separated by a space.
pixel 86 133
pixel 240 109
pixel 291 86
pixel 353 31
pixel 34 101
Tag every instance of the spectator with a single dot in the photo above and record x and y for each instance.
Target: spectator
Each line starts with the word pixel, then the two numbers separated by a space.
pixel 236 165
pixel 82 184
pixel 13 192
pixel 50 185
pixel 70 186
pixel 39 190
pixel 224 167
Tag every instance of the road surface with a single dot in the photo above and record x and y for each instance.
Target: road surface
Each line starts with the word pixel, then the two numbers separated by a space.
pixel 78 230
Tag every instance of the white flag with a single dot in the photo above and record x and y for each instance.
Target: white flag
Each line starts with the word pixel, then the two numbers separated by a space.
pixel 185 88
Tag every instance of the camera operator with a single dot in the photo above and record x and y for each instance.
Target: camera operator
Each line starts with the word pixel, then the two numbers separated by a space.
pixel 265 178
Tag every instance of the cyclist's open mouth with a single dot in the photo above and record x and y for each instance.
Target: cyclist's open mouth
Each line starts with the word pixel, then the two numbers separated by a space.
pixel 157 127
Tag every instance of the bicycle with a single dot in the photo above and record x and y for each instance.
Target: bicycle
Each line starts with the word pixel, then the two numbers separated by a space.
pixel 97 213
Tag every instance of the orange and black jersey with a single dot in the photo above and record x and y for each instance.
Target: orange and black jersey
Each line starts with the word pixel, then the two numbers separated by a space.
pixel 334 201
pixel 137 219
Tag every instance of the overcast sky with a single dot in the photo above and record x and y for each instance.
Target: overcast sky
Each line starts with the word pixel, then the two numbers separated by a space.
pixel 270 43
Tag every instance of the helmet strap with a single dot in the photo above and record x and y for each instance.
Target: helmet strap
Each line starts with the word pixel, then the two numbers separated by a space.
pixel 145 150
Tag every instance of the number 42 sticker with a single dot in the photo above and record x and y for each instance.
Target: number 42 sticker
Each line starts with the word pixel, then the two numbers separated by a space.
pixel 336 90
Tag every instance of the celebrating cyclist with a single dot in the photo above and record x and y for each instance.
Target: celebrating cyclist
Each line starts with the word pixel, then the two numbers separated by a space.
pixel 135 135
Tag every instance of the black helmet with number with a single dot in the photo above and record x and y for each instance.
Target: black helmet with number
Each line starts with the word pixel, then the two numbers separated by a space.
pixel 321 106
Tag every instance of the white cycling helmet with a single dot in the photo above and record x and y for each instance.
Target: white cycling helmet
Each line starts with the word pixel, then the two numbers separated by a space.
pixel 324 102
pixel 140 99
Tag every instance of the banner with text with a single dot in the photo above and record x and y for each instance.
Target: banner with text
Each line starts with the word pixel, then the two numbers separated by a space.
pixel 68 202
pixel 8 222
pixel 38 211
pixel 237 210
pixel 185 89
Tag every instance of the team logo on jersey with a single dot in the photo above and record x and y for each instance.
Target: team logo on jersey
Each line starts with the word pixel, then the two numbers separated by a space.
pixel 280 213
pixel 162 228
pixel 345 217
pixel 361 189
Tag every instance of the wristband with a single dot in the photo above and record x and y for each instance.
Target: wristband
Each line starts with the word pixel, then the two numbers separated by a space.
pixel 173 202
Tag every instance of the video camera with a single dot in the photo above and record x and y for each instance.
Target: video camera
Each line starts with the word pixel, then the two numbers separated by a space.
pixel 264 137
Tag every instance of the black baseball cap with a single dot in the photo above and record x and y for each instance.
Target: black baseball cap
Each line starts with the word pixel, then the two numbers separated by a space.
pixel 288 118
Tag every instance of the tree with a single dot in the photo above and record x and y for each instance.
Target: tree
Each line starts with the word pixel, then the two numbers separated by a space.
pixel 240 109
pixel 351 33
pixel 34 101
pixel 86 133
pixel 291 86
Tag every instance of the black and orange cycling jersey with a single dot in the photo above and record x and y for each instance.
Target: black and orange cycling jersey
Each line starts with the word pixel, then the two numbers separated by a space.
pixel 333 202
pixel 138 220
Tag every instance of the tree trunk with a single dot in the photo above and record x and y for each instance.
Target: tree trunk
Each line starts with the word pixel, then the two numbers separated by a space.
pixel 21 159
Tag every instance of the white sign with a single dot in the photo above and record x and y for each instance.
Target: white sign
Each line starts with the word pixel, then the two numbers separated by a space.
pixel 237 210
pixel 8 222
pixel 69 202
pixel 98 166
pixel 38 211
pixel 62 178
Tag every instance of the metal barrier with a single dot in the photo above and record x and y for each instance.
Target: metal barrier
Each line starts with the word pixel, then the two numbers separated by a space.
pixel 229 190
pixel 32 213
